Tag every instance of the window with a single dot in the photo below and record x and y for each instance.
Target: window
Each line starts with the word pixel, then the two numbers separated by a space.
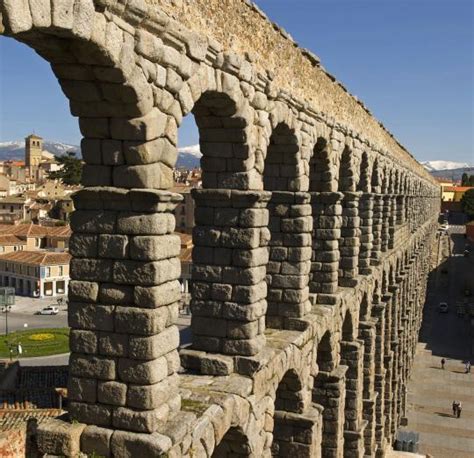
pixel 48 272
pixel 61 271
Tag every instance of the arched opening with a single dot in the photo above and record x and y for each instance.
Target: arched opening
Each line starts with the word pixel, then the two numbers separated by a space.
pixel 289 395
pixel 377 213
pixel 290 227
pixel 320 179
pixel 364 312
pixel 325 202
pixel 124 142
pixel 367 335
pixel 347 328
pixel 234 444
pixel 366 207
pixel 296 423
pixel 352 356
pixel 329 394
pixel 229 262
pixel 350 232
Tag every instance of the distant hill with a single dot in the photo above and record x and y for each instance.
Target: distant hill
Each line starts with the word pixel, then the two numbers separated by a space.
pixel 189 157
pixel 435 166
pixel 453 174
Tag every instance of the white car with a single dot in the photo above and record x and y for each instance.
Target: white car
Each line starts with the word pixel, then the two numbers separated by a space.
pixel 443 307
pixel 50 310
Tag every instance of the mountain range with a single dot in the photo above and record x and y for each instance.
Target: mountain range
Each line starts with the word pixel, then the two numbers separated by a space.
pixel 190 156
pixel 16 149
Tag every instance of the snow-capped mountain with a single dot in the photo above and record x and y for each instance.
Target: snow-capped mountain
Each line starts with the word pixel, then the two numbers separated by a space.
pixel 448 169
pixel 16 149
pixel 189 157
pixel 432 166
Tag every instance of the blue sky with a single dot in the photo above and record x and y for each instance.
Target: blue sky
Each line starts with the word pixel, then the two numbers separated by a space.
pixel 411 61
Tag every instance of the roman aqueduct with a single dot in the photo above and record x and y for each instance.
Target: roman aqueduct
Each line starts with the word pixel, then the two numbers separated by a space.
pixel 312 242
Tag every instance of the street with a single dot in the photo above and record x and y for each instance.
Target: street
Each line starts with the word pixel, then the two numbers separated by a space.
pixel 431 389
pixel 23 312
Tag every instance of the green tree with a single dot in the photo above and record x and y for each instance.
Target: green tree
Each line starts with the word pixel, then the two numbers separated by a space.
pixel 467 203
pixel 464 179
pixel 71 170
pixel 471 180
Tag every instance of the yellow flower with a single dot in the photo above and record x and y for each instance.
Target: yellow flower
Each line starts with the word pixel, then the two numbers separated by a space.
pixel 42 336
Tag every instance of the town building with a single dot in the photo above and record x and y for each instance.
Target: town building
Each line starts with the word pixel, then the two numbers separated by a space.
pixel 14 209
pixel 35 273
pixel 37 237
pixel 455 193
pixel 186 262
pixel 9 243
pixel 184 211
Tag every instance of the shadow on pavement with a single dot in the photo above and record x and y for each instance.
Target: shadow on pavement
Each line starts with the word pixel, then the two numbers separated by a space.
pixel 446 415
pixel 448 335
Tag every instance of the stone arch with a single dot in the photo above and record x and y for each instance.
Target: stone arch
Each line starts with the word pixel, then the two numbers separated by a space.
pixel 95 62
pixel 364 183
pixel 223 126
pixel 290 228
pixel 347 176
pixel 235 443
pixel 296 423
pixel 349 241
pixel 320 169
pixel 325 353
pixel 376 181
pixel 329 393
pixel 364 307
pixel 283 160
pixel 348 328
pixel 352 358
pixel 290 394
pixel 376 292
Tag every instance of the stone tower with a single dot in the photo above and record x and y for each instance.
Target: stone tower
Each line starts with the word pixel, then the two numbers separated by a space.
pixel 33 150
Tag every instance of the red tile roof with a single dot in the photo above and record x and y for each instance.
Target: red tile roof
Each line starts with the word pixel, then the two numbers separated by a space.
pixel 37 258
pixel 34 230
pixel 458 188
pixel 11 240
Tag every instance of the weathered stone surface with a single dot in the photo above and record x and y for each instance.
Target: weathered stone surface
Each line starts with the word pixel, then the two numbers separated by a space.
pixel 279 276
pixel 58 437
pixel 130 445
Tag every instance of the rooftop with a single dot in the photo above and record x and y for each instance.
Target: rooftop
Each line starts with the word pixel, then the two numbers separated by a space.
pixel 458 188
pixel 11 240
pixel 37 258
pixel 34 230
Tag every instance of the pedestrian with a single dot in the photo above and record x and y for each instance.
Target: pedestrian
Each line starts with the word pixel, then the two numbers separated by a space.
pixel 443 362
pixel 468 367
pixel 459 409
pixel 455 406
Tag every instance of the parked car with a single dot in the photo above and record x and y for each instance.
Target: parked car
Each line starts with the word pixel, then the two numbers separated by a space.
pixel 49 310
pixel 443 307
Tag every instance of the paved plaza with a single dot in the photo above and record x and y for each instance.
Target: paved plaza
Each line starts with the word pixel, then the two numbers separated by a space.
pixel 432 390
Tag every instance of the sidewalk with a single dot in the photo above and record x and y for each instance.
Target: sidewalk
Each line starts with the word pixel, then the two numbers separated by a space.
pixel 431 392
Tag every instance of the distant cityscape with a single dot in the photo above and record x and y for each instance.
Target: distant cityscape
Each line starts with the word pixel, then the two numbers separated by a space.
pixel 35 209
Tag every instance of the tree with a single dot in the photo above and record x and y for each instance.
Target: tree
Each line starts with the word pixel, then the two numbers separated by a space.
pixel 464 179
pixel 471 180
pixel 71 170
pixel 467 203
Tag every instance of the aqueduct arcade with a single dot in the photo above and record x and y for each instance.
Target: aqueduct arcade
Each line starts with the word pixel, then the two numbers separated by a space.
pixel 311 247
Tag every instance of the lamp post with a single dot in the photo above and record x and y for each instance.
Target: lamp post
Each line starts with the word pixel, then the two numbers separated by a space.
pixel 7 299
